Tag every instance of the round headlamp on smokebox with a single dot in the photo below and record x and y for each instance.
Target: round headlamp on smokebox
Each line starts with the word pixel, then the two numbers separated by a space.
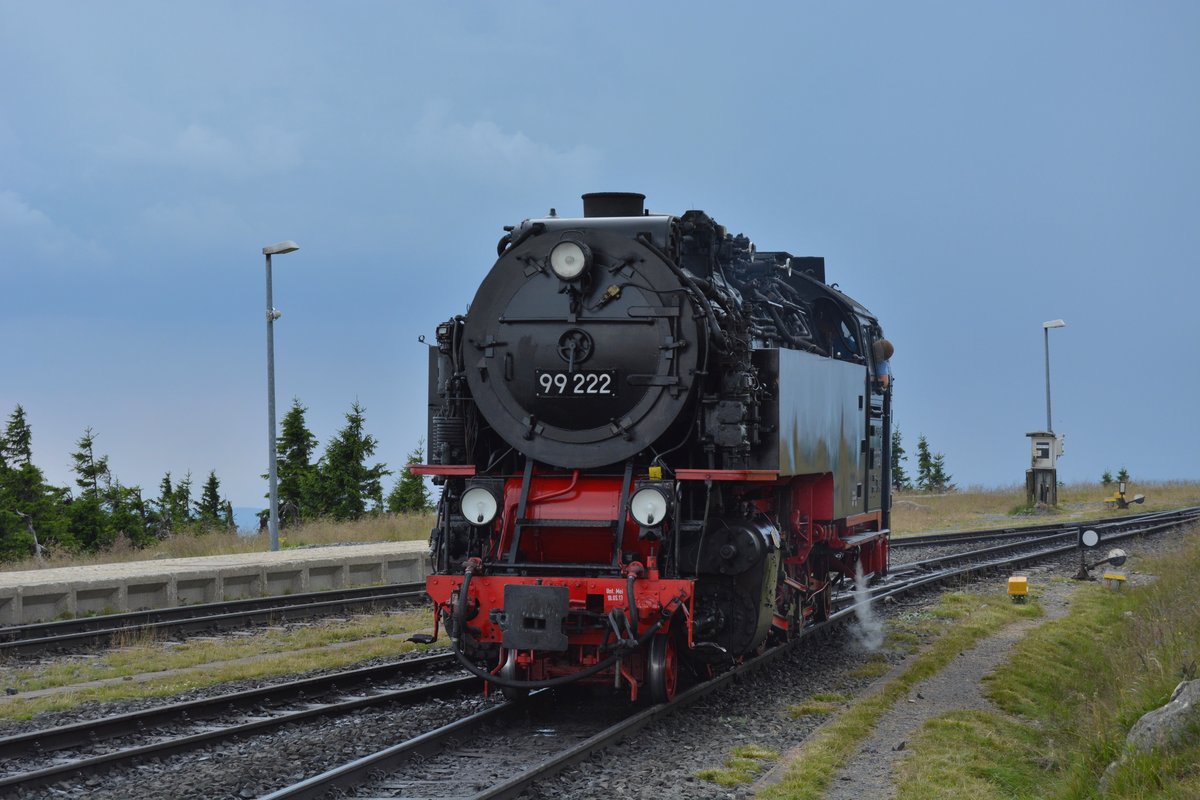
pixel 479 505
pixel 648 506
pixel 570 259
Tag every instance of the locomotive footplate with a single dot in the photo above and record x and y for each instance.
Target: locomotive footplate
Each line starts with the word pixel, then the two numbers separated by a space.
pixel 533 617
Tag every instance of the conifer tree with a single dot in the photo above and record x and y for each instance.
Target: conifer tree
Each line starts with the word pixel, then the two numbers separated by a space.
pixel 28 505
pixel 18 440
pixel 939 481
pixel 90 471
pixel 181 503
pixel 924 463
pixel 346 482
pixel 294 466
pixel 931 469
pixel 127 514
pixel 900 479
pixel 89 521
pixel 162 517
pixel 410 495
pixel 208 507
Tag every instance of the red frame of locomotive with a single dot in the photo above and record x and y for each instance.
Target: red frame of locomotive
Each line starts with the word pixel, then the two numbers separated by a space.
pixel 664 606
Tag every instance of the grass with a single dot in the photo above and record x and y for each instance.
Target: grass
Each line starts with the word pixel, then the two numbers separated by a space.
pixel 916 512
pixel 912 512
pixel 743 764
pixel 1067 698
pixel 384 528
pixel 960 621
pixel 820 704
pixel 874 667
pixel 207 662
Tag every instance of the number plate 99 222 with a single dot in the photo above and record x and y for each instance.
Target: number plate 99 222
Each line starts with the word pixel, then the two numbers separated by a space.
pixel 598 383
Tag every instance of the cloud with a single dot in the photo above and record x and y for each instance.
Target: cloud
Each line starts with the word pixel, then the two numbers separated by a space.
pixel 257 151
pixel 16 213
pixel 483 148
pixel 199 221
pixel 30 232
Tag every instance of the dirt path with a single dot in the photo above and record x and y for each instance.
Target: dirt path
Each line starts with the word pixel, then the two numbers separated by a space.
pixel 957 687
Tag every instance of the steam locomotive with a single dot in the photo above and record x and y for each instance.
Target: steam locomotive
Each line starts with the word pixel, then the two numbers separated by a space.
pixel 657 446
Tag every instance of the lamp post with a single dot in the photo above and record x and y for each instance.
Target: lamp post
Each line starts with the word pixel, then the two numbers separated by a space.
pixel 272 315
pixel 1046 326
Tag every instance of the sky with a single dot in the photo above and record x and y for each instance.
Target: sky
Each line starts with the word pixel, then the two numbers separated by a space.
pixel 969 171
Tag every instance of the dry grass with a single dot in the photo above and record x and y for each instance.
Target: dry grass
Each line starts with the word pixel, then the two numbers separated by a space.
pixel 915 512
pixel 146 668
pixel 384 528
pixel 912 512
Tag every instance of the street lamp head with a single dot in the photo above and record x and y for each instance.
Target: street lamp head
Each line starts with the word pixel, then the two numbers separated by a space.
pixel 1054 323
pixel 280 248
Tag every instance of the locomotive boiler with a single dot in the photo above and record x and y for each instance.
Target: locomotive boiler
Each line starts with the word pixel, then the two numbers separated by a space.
pixel 657 447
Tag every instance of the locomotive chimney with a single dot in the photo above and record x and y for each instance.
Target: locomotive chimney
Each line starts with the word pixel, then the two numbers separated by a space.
pixel 613 204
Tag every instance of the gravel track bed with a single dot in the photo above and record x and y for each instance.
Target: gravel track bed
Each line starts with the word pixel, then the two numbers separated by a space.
pixel 503 750
pixel 94 711
pixel 660 762
pixel 900 556
pixel 256 766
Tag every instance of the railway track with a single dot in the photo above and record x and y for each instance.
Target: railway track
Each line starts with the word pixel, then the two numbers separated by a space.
pixel 1054 542
pixel 959 537
pixel 461 756
pixel 64 635
pixel 73 752
pixel 378 774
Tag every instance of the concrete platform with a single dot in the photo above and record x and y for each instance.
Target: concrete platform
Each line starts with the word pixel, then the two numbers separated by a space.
pixel 62 593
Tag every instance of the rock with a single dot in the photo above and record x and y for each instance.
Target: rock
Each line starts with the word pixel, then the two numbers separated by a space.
pixel 1166 727
pixel 900 746
pixel 1163 728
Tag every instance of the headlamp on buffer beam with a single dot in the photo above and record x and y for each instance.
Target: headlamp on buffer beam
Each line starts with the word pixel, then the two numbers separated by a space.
pixel 650 507
pixel 479 505
pixel 569 259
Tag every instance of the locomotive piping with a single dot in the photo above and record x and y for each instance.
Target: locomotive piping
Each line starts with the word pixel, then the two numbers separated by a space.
pixel 633 609
pixel 717 336
pixel 507 242
pixel 550 683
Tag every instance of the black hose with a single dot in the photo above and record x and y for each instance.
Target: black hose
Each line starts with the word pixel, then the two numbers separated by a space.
pixel 460 610
pixel 509 242
pixel 503 244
